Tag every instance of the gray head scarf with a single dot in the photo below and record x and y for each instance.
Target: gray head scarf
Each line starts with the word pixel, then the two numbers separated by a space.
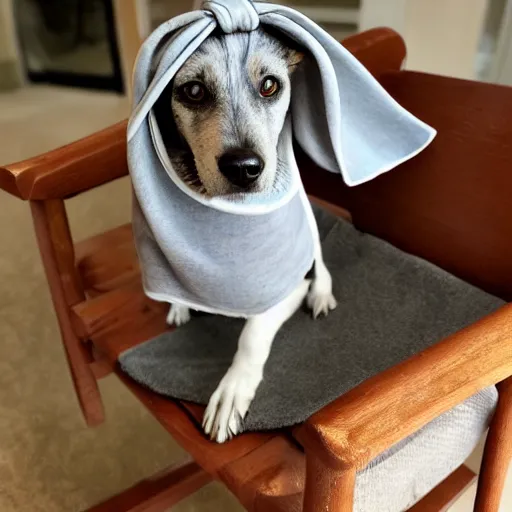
pixel 242 254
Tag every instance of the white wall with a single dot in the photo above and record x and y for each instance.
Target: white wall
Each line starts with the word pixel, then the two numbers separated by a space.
pixel 383 13
pixel 442 36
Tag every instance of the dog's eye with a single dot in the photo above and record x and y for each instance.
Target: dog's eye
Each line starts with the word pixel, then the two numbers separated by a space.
pixel 269 86
pixel 194 92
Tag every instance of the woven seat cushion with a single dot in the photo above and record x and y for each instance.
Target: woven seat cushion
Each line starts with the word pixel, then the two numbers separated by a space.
pixel 405 473
pixel 391 306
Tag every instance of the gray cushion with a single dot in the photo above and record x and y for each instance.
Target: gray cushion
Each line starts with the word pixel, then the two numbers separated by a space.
pixel 402 475
pixel 391 305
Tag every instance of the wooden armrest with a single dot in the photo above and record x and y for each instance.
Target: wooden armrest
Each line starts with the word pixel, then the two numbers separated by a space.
pixel 355 428
pixel 71 169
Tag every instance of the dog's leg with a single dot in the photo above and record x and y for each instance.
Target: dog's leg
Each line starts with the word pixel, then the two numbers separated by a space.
pixel 229 403
pixel 320 298
pixel 178 315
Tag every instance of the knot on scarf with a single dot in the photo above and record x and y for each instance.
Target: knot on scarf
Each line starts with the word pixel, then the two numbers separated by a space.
pixel 233 15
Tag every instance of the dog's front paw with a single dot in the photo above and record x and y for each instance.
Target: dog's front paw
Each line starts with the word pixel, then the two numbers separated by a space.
pixel 178 315
pixel 229 404
pixel 320 298
pixel 321 303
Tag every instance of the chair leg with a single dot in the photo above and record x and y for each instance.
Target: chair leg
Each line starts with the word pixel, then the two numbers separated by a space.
pixel 497 453
pixel 84 380
pixel 57 253
pixel 328 488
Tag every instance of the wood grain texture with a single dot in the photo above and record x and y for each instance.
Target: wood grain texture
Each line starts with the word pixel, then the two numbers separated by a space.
pixel 53 240
pixel 71 169
pixel 451 203
pixel 158 493
pixel 358 426
pixel 442 497
pixel 114 315
pixel 107 261
pixel 212 457
pixel 54 212
pixel 328 488
pixel 497 453
pixel 270 478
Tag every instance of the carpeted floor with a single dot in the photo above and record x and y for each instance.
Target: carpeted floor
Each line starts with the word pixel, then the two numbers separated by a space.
pixel 49 460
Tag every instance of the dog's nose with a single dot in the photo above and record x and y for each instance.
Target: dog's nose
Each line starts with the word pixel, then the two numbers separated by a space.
pixel 242 167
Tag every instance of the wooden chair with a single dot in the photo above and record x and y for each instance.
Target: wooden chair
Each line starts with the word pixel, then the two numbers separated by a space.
pixel 450 205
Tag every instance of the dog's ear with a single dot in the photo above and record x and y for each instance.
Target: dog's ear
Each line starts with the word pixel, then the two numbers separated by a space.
pixel 294 58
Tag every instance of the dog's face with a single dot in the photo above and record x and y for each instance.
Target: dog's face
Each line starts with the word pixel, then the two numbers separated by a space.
pixel 229 102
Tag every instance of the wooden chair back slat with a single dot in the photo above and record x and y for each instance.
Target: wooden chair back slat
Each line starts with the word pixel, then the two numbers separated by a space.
pixel 451 204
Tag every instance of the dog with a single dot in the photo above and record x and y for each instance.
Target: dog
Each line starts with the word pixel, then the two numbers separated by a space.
pixel 228 103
